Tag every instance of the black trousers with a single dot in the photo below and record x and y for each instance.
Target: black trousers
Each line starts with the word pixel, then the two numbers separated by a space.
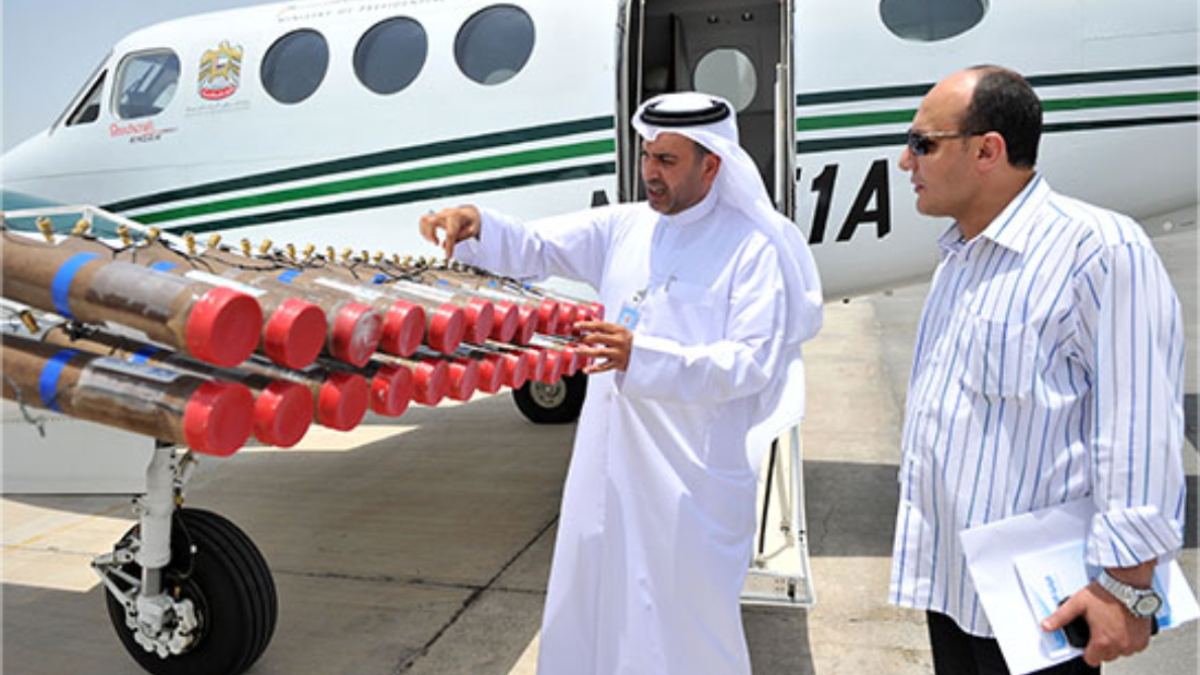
pixel 956 652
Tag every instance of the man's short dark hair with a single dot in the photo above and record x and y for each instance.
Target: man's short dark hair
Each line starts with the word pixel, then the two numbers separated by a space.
pixel 1005 103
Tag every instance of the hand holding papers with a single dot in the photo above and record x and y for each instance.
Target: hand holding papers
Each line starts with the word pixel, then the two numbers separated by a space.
pixel 1023 566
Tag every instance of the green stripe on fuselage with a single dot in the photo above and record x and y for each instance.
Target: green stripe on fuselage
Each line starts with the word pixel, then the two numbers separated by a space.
pixel 1049 105
pixel 394 199
pixel 369 161
pixel 1049 80
pixel 896 140
pixel 392 178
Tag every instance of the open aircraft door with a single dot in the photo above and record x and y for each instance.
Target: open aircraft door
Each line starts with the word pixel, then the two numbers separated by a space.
pixel 741 50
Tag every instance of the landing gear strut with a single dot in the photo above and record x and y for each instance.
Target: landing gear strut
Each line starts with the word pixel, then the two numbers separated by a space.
pixel 187 591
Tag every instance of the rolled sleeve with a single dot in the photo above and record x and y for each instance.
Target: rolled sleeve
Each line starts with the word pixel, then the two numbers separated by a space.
pixel 1130 327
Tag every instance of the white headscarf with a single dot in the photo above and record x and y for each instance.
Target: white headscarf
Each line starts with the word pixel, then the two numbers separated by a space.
pixel 740 186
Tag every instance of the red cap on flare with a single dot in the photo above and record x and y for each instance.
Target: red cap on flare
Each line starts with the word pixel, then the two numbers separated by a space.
pixel 571 360
pixel 554 366
pixel 582 313
pixel 224 326
pixel 491 374
pixel 294 334
pixel 508 321
pixel 464 379
pixel 391 390
pixel 403 328
pixel 566 317
pixel 431 378
pixel 218 417
pixel 481 315
pixel 547 317
pixel 597 311
pixel 447 327
pixel 535 364
pixel 516 370
pixel 283 413
pixel 343 401
pixel 357 329
pixel 528 325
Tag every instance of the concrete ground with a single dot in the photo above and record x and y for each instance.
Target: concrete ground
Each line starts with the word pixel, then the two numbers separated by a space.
pixel 421 545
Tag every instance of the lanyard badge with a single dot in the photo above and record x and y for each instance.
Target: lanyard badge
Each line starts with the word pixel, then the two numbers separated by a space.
pixel 631 311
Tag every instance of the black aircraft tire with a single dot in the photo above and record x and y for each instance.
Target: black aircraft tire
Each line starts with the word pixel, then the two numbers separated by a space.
pixel 217 567
pixel 558 403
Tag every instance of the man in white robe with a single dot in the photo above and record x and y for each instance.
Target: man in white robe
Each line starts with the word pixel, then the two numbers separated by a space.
pixel 713 292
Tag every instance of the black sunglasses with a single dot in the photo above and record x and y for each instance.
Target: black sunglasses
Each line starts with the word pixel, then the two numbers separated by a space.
pixel 921 143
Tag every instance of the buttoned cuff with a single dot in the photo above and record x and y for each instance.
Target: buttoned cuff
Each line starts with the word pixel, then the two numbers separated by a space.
pixel 1129 537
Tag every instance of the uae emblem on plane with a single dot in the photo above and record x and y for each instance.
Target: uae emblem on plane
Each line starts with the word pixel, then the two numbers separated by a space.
pixel 220 72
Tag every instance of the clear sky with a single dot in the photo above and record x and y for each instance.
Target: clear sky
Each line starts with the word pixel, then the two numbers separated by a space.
pixel 49 47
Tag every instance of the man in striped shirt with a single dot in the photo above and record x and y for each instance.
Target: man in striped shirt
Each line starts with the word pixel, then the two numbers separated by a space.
pixel 1048 367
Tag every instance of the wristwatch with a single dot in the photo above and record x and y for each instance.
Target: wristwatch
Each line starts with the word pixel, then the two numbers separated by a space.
pixel 1142 602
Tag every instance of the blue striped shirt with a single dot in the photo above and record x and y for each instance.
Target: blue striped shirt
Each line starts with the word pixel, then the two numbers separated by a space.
pixel 1048 366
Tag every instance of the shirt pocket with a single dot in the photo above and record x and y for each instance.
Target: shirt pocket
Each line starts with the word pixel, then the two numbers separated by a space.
pixel 684 312
pixel 1003 358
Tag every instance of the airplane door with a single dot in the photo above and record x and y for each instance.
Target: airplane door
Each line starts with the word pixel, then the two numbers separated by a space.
pixel 741 50
pixel 735 49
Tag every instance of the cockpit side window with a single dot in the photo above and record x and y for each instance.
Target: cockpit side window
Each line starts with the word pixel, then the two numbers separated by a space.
pixel 494 44
pixel 931 20
pixel 146 83
pixel 89 108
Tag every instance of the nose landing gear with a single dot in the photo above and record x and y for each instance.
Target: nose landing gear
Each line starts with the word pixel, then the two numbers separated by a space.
pixel 207 607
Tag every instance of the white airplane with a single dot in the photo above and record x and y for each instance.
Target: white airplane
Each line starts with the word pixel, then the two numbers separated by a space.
pixel 340 122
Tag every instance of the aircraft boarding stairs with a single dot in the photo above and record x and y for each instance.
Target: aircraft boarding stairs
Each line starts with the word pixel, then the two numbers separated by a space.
pixel 779 572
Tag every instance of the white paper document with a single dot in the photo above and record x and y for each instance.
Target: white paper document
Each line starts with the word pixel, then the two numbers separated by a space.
pixel 1024 565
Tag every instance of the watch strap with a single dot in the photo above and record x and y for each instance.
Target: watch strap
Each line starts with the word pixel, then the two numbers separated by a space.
pixel 1127 594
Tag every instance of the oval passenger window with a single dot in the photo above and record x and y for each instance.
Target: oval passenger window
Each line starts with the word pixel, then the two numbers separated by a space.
pixel 728 73
pixel 390 55
pixel 494 44
pixel 295 66
pixel 931 20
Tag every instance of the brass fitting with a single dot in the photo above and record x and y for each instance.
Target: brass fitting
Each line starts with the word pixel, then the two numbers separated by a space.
pixel 30 322
pixel 46 227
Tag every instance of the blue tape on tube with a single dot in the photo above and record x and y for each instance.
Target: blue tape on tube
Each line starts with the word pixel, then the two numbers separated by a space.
pixel 287 276
pixel 48 381
pixel 163 266
pixel 142 355
pixel 61 286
